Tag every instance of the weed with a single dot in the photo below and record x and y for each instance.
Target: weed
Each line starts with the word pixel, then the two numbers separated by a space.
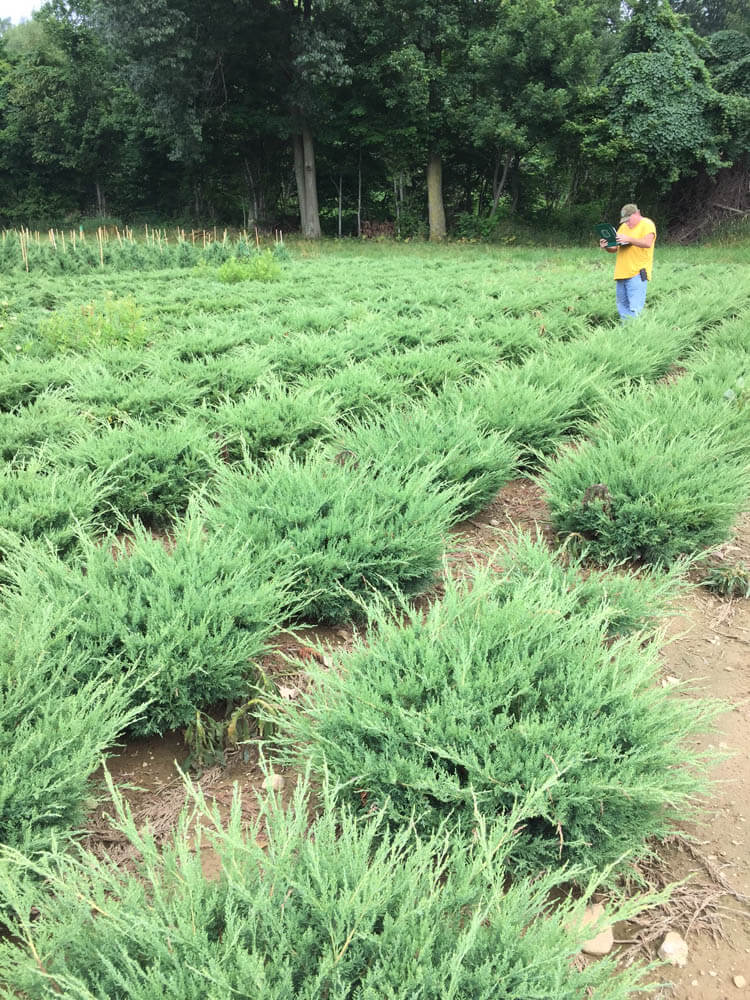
pixel 106 323
pixel 729 580
pixel 260 267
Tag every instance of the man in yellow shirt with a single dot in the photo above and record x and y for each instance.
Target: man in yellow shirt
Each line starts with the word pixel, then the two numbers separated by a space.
pixel 635 257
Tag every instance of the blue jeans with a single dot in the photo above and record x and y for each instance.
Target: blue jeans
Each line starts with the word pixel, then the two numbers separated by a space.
pixel 631 296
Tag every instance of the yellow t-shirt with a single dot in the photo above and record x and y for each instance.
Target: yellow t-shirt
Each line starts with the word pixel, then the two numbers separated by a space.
pixel 631 259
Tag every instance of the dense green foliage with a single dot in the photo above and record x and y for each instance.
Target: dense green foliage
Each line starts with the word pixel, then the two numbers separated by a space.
pixel 55 506
pixel 186 621
pixel 364 118
pixel 151 469
pixel 469 454
pixel 335 909
pixel 619 501
pixel 54 727
pixel 346 531
pixel 508 687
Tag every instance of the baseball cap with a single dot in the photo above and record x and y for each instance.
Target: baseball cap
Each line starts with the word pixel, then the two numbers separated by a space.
pixel 626 211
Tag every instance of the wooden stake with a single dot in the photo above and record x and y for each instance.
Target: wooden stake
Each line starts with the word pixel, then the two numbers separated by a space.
pixel 24 251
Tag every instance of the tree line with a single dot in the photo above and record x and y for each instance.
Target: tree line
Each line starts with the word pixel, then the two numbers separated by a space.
pixel 407 116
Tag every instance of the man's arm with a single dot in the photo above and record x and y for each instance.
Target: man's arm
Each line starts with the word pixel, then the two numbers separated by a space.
pixel 648 240
pixel 603 245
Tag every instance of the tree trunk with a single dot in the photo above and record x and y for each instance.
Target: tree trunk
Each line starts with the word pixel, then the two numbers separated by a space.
pixel 498 188
pixel 340 203
pixel 311 226
pixel 515 183
pixel 299 175
pixel 435 207
pixel 101 205
pixel 359 196
pixel 252 190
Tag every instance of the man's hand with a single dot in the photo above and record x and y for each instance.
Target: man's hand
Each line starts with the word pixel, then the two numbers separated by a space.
pixel 622 239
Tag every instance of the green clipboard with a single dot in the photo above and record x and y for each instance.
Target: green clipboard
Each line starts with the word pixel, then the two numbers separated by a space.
pixel 607 232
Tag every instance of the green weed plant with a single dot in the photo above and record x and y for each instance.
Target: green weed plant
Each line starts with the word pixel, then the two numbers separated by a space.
pixel 258 267
pixel 105 323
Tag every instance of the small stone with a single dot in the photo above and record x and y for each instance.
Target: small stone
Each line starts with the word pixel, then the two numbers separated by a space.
pixel 343 634
pixel 670 681
pixel 604 941
pixel 712 973
pixel 740 982
pixel 494 522
pixel 674 950
pixel 694 982
pixel 275 782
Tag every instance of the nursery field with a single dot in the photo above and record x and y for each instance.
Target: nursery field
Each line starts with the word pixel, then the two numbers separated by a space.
pixel 391 539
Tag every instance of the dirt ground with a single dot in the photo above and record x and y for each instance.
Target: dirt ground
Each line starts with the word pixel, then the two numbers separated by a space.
pixel 708 650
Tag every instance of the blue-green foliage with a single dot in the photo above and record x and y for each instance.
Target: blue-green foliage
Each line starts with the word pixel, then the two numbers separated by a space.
pixel 150 469
pixel 441 430
pixel 272 417
pixel 51 506
pixel 507 684
pixel 51 417
pixel 346 531
pixel 333 907
pixel 185 617
pixel 664 476
pixel 55 724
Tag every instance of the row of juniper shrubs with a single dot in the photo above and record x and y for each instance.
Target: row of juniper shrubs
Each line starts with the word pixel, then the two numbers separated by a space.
pixel 666 472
